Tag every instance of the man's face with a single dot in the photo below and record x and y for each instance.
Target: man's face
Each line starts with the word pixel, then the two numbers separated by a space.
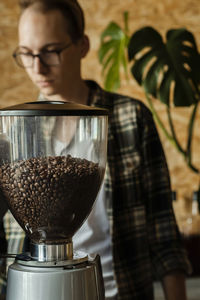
pixel 41 33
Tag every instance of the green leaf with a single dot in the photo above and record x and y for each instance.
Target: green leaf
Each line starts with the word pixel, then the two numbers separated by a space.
pixel 176 61
pixel 139 67
pixel 113 54
pixel 107 46
pixel 151 80
pixel 145 37
pixel 164 89
pixel 112 81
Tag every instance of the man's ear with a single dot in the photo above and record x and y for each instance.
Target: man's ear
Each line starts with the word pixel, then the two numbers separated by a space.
pixel 85 46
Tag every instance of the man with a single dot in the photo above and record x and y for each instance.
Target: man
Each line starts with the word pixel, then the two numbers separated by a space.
pixel 136 194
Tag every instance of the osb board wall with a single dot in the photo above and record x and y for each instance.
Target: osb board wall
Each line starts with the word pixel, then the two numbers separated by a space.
pixel 15 87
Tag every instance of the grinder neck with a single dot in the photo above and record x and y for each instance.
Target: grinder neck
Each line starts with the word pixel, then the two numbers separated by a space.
pixel 51 252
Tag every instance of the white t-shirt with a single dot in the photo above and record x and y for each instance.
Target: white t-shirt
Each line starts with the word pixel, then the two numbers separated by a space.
pixel 94 238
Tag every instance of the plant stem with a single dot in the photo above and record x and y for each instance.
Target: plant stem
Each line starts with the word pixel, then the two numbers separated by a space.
pixel 158 120
pixel 172 137
pixel 190 131
pixel 126 42
pixel 178 145
pixel 126 29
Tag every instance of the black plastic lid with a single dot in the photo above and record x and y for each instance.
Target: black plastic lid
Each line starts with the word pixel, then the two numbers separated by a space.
pixel 52 108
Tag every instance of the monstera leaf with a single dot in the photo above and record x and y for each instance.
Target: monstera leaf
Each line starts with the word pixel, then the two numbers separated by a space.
pixel 113 54
pixel 167 71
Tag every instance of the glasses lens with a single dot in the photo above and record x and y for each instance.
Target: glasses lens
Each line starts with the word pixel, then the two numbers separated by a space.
pixel 24 59
pixel 50 58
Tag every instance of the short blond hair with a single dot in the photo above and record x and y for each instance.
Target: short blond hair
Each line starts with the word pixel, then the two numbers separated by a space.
pixel 70 9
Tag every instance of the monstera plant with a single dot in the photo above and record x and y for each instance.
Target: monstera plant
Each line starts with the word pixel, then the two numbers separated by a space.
pixel 168 71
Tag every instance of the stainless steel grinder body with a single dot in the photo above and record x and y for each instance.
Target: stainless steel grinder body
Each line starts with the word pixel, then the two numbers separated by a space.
pixel 78 281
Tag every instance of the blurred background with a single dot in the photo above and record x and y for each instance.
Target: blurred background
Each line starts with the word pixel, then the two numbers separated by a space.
pixel 163 15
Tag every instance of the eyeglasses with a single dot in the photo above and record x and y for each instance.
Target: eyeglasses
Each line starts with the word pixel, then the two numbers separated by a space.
pixel 46 57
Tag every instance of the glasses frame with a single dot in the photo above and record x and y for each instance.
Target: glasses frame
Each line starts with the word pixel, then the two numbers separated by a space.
pixel 57 51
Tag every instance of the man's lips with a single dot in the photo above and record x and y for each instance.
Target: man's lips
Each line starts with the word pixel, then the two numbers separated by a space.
pixel 44 83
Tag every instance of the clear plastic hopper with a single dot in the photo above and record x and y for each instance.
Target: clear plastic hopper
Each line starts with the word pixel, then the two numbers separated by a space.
pixel 53 157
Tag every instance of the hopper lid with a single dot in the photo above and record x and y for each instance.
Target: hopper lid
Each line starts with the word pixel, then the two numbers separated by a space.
pixel 52 108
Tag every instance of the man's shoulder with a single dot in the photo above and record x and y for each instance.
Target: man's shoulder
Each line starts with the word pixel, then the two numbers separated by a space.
pixel 114 100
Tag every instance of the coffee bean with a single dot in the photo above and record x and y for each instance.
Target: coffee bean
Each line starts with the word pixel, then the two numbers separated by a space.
pixel 50 196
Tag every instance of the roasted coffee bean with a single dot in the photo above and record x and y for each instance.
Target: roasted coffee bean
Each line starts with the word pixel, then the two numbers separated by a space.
pixel 50 196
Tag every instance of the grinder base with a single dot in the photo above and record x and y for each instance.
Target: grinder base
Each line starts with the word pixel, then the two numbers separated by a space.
pixel 70 282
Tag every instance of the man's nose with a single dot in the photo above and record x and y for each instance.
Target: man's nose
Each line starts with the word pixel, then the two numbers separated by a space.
pixel 38 66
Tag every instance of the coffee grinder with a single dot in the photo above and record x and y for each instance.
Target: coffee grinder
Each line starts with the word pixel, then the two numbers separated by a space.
pixel 51 170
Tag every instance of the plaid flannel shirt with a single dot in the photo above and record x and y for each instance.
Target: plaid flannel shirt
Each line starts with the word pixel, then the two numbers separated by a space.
pixel 145 237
